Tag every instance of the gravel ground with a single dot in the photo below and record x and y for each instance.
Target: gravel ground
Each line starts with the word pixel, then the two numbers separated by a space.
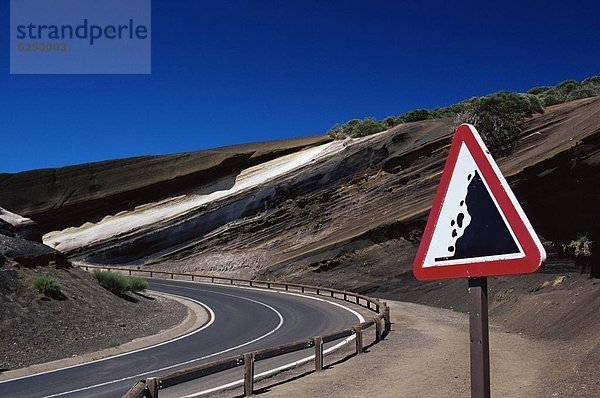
pixel 427 355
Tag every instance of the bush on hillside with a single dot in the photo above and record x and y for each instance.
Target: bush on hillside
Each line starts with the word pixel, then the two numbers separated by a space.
pixel 137 284
pixel 578 248
pixel 497 116
pixel 47 285
pixel 356 128
pixel 119 284
pixel 538 90
pixel 569 90
pixel 416 115
pixel 390 122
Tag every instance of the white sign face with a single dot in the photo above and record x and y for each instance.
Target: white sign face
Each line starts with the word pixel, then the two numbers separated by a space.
pixel 457 214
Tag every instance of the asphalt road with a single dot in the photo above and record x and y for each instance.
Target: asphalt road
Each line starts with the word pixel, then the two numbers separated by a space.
pixel 244 320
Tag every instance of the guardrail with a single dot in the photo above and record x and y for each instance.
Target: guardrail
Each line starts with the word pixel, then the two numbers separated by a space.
pixel 149 387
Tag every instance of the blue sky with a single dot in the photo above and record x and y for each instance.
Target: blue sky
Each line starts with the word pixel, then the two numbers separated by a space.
pixel 227 72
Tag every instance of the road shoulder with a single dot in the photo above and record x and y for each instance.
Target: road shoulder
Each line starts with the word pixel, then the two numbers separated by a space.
pixel 196 317
pixel 427 355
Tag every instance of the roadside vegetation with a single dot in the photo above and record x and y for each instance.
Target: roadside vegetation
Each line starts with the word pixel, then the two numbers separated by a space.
pixel 497 116
pixel 120 284
pixel 568 90
pixel 579 249
pixel 47 285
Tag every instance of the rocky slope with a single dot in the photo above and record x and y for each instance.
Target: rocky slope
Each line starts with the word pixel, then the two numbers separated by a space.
pixel 82 317
pixel 71 196
pixel 346 213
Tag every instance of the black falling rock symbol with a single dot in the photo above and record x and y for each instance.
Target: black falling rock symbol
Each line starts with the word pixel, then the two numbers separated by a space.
pixel 459 219
pixel 486 234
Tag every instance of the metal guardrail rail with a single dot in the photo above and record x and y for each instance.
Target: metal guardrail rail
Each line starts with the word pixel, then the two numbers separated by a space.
pixel 149 387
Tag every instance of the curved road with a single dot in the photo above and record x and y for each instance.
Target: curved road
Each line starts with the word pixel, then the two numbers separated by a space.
pixel 242 320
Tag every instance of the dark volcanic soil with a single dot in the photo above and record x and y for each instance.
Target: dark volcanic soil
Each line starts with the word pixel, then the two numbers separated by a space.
pixel 87 318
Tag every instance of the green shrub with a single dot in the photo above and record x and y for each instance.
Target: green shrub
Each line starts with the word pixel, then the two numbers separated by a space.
pixel 578 248
pixel 114 343
pixel 47 285
pixel 137 284
pixel 390 122
pixel 306 208
pixel 416 115
pixel 112 281
pixel 118 283
pixel 497 116
pixel 356 128
pixel 538 90
pixel 569 90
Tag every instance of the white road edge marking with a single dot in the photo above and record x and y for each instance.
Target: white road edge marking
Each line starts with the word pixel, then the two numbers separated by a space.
pixel 206 325
pixel 212 318
pixel 186 362
pixel 302 361
pixel 356 314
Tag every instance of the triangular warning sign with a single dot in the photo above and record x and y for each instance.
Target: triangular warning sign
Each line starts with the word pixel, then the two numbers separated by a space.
pixel 476 226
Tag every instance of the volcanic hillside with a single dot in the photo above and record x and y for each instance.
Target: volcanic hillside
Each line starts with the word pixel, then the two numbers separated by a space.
pixel 52 310
pixel 345 213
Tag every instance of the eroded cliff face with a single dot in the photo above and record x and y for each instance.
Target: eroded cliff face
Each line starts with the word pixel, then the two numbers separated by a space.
pixel 346 212
pixel 368 203
pixel 72 196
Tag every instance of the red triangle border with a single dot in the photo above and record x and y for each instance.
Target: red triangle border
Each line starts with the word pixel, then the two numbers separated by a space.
pixel 499 188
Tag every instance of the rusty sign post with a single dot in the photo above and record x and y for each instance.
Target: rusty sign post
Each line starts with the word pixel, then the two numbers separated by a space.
pixel 479 336
pixel 476 228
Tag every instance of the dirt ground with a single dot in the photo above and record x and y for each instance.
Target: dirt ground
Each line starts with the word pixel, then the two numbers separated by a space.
pixel 427 355
pixel 86 318
pixel 196 318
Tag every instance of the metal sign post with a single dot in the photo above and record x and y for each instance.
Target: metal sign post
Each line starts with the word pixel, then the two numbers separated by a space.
pixel 478 331
pixel 476 228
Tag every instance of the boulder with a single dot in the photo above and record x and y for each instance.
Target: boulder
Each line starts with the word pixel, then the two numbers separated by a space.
pixel 29 253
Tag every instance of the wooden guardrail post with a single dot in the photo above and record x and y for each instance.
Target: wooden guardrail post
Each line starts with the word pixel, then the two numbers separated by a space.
pixel 248 374
pixel 318 353
pixel 388 320
pixel 359 342
pixel 151 387
pixel 377 329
